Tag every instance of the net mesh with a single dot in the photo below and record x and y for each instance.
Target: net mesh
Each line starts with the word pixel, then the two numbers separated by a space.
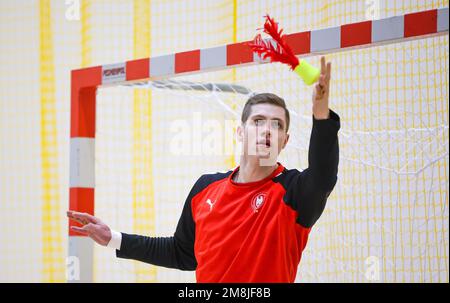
pixel 386 220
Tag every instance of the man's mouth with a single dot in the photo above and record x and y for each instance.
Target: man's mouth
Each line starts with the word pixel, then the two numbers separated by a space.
pixel 266 143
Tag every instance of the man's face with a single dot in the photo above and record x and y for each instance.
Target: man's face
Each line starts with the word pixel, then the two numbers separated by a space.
pixel 264 133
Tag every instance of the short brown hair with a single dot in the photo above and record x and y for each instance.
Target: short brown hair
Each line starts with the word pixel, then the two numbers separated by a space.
pixel 261 99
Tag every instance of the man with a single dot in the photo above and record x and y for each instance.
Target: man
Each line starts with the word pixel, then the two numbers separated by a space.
pixel 250 224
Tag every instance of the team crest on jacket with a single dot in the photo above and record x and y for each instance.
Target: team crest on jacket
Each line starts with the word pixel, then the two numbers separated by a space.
pixel 258 201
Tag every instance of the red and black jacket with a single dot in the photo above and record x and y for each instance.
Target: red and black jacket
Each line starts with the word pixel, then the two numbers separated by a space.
pixel 248 232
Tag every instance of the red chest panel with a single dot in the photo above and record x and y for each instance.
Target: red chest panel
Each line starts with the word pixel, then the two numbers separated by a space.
pixel 246 232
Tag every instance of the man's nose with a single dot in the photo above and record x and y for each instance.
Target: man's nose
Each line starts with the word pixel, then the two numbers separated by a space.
pixel 266 129
pixel 263 131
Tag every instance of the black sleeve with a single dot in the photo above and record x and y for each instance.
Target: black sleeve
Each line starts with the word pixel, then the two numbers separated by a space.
pixel 308 190
pixel 172 252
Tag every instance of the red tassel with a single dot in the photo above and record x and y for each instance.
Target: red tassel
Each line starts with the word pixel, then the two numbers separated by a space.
pixel 279 53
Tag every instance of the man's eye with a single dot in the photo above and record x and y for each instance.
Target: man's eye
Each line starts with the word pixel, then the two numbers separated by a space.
pixel 258 121
pixel 276 124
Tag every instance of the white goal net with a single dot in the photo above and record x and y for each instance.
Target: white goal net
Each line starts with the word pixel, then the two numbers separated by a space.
pixel 387 218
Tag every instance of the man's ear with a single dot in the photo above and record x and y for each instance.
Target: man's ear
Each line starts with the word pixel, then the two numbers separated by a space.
pixel 240 133
pixel 286 141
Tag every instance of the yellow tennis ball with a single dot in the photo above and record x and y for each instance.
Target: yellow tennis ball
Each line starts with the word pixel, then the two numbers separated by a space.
pixel 307 72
